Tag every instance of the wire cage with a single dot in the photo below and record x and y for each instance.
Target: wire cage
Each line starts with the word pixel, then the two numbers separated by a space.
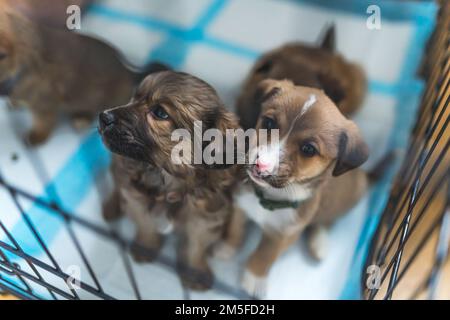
pixel 416 212
pixel 24 290
pixel 409 252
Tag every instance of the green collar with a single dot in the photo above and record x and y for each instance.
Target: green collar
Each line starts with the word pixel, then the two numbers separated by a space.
pixel 275 204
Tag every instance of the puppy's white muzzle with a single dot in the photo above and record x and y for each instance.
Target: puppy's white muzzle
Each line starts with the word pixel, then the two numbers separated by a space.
pixel 266 159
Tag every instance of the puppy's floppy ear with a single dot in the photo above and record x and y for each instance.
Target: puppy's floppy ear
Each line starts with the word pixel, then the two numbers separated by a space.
pixel 329 39
pixel 352 150
pixel 266 89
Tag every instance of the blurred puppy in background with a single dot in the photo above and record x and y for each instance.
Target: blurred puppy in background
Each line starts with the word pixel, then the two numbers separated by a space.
pixel 54 71
pixel 307 179
pixel 318 67
pixel 153 190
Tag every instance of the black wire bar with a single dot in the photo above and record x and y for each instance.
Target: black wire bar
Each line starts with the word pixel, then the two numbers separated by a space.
pixel 418 188
pixel 124 244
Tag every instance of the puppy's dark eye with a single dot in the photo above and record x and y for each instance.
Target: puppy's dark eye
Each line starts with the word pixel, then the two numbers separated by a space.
pixel 2 55
pixel 308 150
pixel 268 123
pixel 159 113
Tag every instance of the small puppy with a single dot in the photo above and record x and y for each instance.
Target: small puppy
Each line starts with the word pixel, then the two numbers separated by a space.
pixel 300 181
pixel 159 193
pixel 53 70
pixel 318 67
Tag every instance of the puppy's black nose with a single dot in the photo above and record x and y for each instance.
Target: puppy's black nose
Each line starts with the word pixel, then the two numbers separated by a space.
pixel 106 118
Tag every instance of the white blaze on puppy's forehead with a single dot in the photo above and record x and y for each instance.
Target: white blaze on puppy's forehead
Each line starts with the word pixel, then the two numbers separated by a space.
pixel 308 103
pixel 306 106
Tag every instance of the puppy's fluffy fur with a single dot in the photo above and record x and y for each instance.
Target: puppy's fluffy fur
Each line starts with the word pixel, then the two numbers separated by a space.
pixel 317 146
pixel 53 70
pixel 318 67
pixel 154 191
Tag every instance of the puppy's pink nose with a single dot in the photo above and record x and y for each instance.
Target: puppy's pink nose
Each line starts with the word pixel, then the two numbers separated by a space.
pixel 262 165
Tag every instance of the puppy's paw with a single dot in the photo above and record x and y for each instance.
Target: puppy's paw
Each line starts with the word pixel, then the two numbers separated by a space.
pixel 196 279
pixel 111 208
pixel 224 251
pixel 141 255
pixel 317 242
pixel 255 286
pixel 35 137
pixel 148 249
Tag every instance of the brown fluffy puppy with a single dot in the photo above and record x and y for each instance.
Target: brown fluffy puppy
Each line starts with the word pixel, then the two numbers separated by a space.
pixel 318 67
pixel 156 192
pixel 52 71
pixel 299 181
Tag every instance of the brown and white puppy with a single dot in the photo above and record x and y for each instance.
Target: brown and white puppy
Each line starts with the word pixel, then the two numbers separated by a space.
pixel 54 71
pixel 157 192
pixel 318 67
pixel 304 180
